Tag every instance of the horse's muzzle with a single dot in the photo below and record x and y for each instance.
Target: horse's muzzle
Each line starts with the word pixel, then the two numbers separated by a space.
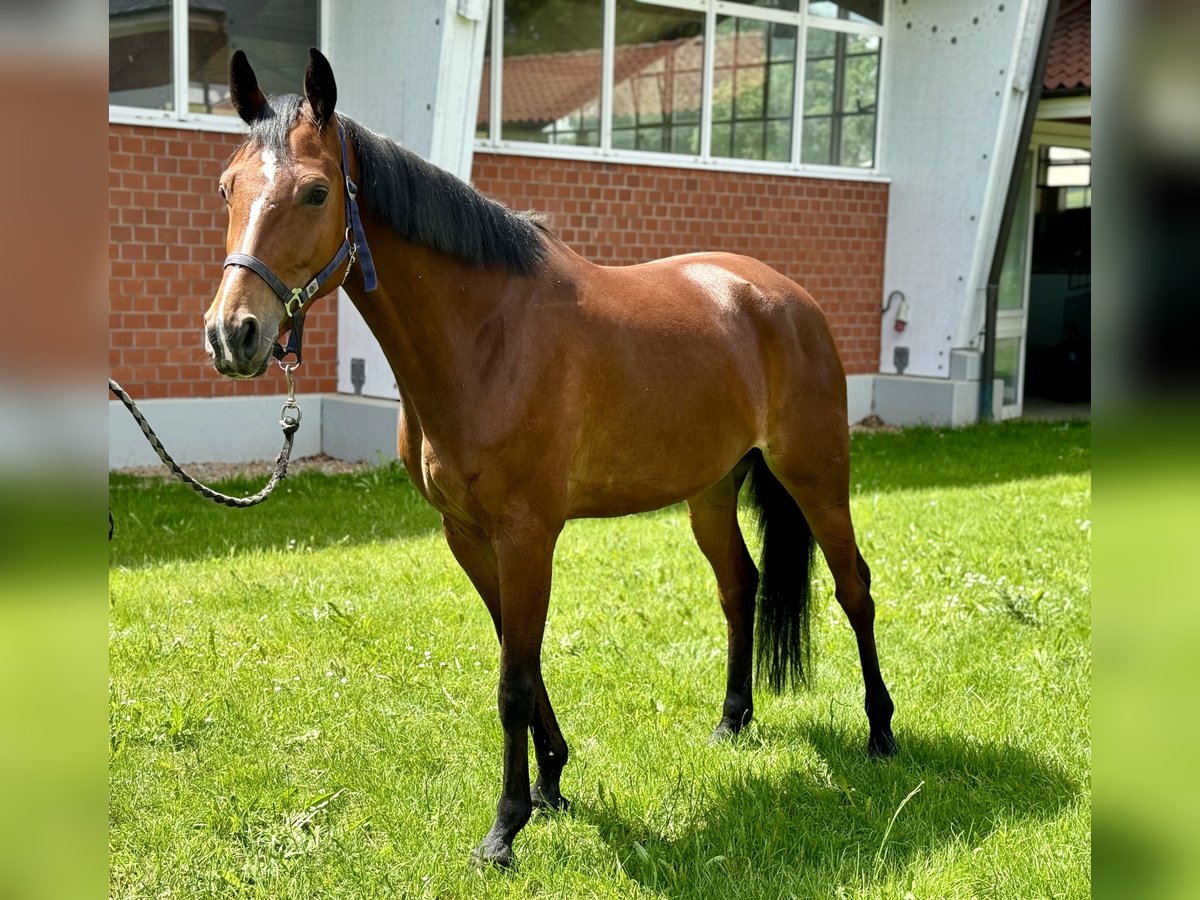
pixel 241 351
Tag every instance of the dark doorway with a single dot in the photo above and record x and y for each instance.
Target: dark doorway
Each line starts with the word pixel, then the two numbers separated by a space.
pixel 1058 351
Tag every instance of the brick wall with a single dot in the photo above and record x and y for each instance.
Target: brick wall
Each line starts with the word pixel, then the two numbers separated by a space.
pixel 167 244
pixel 166 247
pixel 828 236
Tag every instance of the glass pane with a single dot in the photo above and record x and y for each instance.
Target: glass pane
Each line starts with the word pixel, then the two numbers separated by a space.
pixel 779 141
pixel 788 5
pixel 1012 275
pixel 862 74
pixel 781 81
pixel 275 34
pixel 1077 198
pixel 851 10
pixel 1068 155
pixel 815 141
pixel 1008 358
pixel 747 140
pixel 722 139
pixel 552 67
pixel 650 139
pixel 862 43
pixel 748 87
pixel 818 88
pixel 658 66
pixel 483 116
pixel 753 79
pixel 841 88
pixel 139 54
pixel 858 141
pixel 685 139
pixel 821 43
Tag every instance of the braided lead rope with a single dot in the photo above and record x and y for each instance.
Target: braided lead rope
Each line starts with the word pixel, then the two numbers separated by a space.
pixel 281 463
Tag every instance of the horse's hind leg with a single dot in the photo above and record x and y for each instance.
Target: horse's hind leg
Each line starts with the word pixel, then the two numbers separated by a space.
pixel 713 515
pixel 824 499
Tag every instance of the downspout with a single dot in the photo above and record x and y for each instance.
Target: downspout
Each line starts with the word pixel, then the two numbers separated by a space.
pixel 988 362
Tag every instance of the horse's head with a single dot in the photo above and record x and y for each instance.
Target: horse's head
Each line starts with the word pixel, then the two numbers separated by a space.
pixel 288 212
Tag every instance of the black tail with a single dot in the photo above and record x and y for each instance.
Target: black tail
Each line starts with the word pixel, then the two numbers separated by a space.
pixel 783 649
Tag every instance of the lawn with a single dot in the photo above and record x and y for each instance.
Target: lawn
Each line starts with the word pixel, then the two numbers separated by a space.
pixel 302 696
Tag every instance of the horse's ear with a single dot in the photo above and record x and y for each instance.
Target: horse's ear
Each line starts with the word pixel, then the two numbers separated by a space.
pixel 247 96
pixel 319 87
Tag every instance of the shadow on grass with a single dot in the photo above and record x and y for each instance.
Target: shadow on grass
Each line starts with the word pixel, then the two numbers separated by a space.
pixel 159 520
pixel 964 457
pixel 801 833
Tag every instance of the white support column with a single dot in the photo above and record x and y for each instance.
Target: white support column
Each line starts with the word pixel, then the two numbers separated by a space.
pixel 408 69
pixel 956 82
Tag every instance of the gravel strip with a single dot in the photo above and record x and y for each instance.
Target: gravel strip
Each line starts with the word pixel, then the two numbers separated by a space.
pixel 218 471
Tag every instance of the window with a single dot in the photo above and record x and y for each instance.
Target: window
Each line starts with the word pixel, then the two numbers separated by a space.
pixel 754 75
pixel 154 71
pixel 771 84
pixel 840 90
pixel 658 78
pixel 865 11
pixel 1065 175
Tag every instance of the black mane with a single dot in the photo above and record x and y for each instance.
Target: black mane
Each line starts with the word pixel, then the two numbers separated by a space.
pixel 424 204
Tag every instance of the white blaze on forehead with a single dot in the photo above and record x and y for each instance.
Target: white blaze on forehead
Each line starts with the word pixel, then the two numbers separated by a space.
pixel 268 171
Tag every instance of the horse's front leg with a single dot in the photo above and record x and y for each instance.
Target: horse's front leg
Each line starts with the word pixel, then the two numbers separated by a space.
pixel 477 556
pixel 524 555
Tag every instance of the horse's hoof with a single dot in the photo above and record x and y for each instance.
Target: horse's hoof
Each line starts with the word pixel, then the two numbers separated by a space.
pixel 554 801
pixel 727 731
pixel 492 854
pixel 882 745
pixel 722 734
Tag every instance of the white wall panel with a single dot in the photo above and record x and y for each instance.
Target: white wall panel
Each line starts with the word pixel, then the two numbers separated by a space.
pixel 956 79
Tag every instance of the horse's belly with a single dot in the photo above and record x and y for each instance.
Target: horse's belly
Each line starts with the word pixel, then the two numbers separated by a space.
pixel 651 470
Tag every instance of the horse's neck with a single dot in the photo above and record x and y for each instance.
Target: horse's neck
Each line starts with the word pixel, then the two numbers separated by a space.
pixel 426 314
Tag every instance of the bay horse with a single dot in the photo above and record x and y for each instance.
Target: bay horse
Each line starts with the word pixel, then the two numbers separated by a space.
pixel 537 387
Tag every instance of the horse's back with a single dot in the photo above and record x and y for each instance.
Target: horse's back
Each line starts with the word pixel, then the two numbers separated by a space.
pixel 684 364
pixel 744 307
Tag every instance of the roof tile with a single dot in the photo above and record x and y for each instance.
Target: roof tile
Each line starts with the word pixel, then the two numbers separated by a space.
pixel 1069 64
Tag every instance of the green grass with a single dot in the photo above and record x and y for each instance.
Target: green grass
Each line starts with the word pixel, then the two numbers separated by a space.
pixel 303 697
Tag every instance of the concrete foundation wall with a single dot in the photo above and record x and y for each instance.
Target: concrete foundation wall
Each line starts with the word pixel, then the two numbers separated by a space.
pixel 359 428
pixel 245 429
pixel 912 400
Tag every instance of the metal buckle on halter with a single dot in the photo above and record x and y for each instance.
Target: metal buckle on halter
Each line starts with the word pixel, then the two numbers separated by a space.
pixel 296 298
pixel 299 295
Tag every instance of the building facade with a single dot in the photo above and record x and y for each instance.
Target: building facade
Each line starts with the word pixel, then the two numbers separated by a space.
pixel 864 148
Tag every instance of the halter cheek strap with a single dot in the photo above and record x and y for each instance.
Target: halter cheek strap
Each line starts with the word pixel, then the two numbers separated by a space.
pixel 354 246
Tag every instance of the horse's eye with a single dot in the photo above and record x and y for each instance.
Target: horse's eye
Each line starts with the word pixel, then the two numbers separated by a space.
pixel 317 195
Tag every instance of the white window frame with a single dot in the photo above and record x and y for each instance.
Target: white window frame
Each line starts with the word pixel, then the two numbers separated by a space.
pixel 802 19
pixel 181 117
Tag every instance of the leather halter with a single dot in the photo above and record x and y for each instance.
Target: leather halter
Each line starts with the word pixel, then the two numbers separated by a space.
pixel 354 246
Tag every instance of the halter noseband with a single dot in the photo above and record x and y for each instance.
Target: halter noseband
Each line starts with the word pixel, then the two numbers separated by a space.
pixel 354 246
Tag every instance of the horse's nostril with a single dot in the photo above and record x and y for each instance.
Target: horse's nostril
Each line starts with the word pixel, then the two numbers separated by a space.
pixel 247 337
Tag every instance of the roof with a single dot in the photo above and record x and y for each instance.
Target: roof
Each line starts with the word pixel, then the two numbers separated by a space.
pixel 1069 63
